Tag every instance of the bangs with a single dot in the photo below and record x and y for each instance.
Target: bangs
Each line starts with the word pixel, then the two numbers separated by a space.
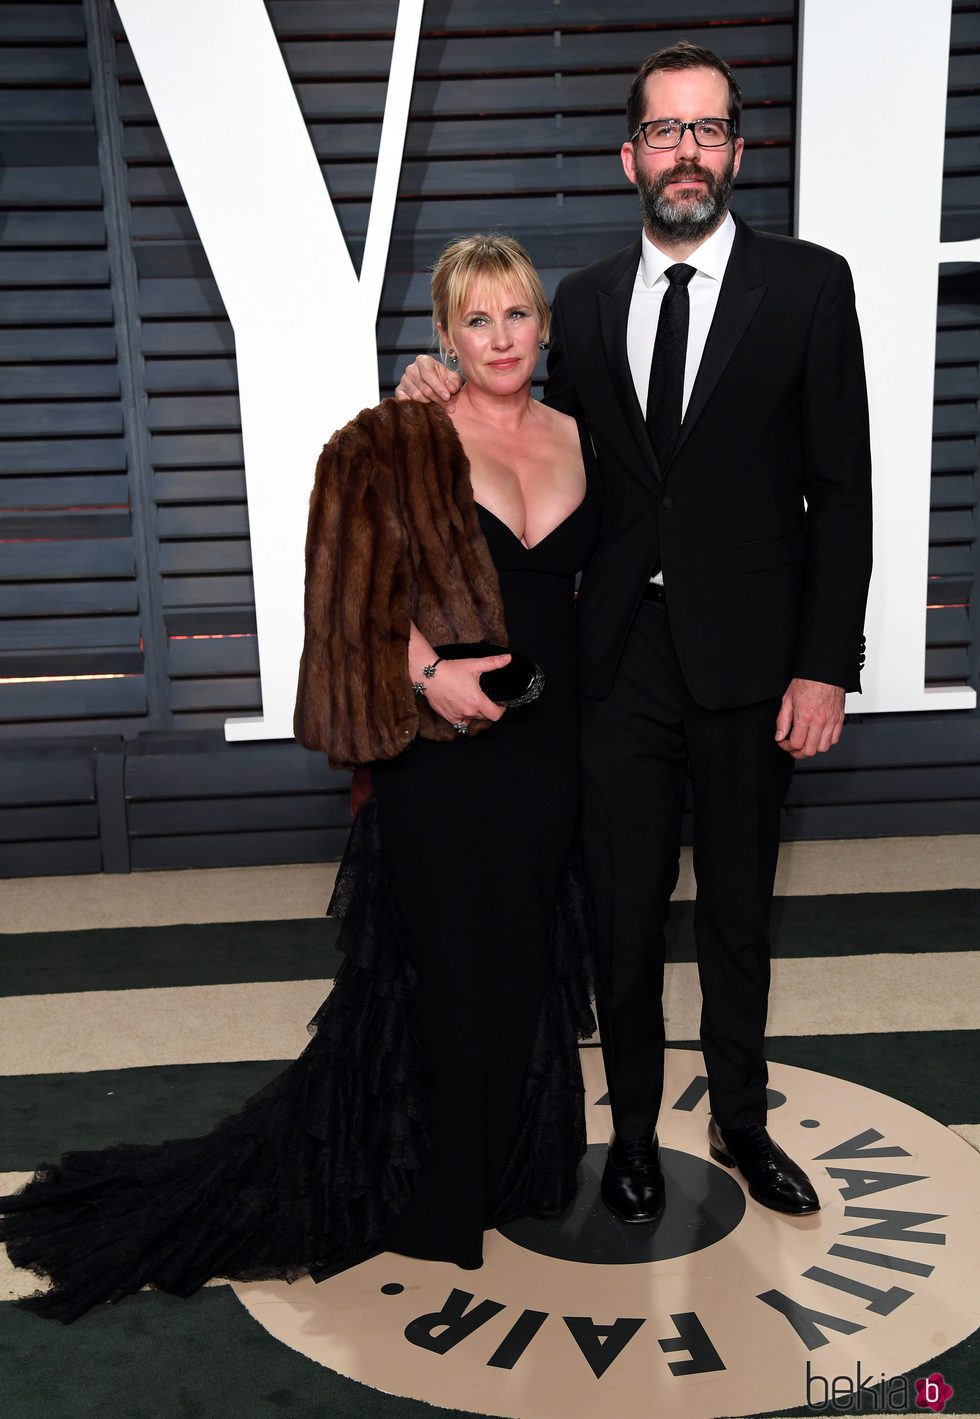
pixel 499 263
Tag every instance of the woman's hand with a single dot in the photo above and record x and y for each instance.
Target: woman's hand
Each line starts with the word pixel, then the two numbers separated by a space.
pixel 428 381
pixel 454 690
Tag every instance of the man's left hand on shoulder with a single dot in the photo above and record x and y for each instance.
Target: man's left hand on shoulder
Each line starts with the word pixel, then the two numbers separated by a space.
pixel 810 718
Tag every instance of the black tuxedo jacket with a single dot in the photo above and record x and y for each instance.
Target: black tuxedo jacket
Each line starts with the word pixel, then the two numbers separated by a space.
pixel 762 518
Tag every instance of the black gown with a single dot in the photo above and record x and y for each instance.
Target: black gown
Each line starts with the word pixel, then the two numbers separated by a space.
pixel 441 1091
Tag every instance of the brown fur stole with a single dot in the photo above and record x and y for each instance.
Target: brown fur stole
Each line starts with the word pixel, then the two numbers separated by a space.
pixel 393 537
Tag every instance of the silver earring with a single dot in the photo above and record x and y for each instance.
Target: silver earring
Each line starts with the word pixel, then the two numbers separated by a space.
pixel 452 359
pixel 542 344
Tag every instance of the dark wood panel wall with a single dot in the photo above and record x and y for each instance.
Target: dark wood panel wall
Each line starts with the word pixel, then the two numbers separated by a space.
pixel 127 630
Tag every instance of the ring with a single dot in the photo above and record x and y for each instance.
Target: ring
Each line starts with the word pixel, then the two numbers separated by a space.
pixel 461 727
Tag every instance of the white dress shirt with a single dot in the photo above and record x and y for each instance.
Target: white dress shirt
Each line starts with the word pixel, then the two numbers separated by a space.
pixel 709 261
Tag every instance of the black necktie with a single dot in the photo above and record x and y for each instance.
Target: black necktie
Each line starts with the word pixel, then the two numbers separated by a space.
pixel 665 395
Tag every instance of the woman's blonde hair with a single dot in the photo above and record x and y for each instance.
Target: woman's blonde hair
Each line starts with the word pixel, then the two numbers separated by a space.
pixel 499 259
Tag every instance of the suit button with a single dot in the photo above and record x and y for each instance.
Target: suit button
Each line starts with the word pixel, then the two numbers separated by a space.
pixel 667 502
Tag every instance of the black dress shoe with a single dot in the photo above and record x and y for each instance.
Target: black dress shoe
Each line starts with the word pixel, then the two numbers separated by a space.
pixel 773 1178
pixel 632 1182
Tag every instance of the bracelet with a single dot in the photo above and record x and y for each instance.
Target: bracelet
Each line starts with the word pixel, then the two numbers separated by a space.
pixel 418 686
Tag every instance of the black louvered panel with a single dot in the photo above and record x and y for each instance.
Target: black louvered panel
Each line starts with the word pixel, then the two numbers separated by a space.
pixel 874 819
pixel 241 849
pixel 951 631
pixel 911 775
pixel 61 806
pixel 93 694
pixel 39 344
pixel 70 646
pixel 211 683
pixel 253 803
pixel 953 628
pixel 904 783
pixel 298 19
pixel 153 772
pixel 49 815
pixel 287 812
pixel 29 779
pixel 97 662
pixel 961 168
pixel 31 23
pixel 962 116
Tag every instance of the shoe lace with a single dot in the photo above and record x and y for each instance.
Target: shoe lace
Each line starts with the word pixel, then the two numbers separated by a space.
pixel 756 1140
pixel 637 1154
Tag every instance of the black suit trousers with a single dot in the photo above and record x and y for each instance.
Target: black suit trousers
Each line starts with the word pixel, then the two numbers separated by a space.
pixel 639 745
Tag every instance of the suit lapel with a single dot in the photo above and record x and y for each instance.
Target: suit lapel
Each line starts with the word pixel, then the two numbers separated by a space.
pixel 742 289
pixel 614 308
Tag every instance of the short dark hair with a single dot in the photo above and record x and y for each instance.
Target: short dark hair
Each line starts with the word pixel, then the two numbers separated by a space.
pixel 682 55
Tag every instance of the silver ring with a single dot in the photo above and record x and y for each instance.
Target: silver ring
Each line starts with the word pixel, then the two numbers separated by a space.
pixel 461 727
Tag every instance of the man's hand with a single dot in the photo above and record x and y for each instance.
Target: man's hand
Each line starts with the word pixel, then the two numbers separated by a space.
pixel 810 718
pixel 428 381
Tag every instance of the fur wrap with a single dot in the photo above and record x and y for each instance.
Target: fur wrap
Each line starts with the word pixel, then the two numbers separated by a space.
pixel 393 537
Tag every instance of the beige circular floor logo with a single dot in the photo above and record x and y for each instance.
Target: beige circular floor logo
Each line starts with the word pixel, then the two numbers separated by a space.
pixel 723 1308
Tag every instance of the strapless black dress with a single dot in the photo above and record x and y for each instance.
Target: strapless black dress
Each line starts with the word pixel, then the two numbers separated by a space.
pixel 441 1091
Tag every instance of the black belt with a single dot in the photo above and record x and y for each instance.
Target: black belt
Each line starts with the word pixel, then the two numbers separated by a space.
pixel 653 591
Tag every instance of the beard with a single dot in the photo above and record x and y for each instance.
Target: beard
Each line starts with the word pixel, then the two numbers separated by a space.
pixel 690 218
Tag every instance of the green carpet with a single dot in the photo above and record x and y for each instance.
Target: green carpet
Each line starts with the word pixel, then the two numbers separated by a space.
pixel 936 1071
pixel 221 953
pixel 137 957
pixel 157 1357
pixel 45 1115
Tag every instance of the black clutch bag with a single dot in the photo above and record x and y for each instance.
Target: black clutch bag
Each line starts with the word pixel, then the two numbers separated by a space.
pixel 512 685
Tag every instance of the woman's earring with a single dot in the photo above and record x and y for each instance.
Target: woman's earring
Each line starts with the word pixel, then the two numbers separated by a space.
pixel 542 344
pixel 452 359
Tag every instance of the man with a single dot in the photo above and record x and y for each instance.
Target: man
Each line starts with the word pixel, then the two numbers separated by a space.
pixel 721 376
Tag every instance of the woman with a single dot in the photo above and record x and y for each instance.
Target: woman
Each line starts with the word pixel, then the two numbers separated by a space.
pixel 441 1091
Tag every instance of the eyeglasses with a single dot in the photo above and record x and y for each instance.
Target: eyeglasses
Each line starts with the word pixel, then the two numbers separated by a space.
pixel 659 133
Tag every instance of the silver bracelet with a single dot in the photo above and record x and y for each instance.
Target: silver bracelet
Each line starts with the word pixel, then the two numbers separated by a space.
pixel 418 686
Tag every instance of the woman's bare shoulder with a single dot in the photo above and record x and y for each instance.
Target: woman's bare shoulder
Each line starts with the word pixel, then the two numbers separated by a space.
pixel 556 420
pixel 560 429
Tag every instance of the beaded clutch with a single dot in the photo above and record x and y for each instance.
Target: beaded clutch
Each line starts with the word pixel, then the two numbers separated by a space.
pixel 512 685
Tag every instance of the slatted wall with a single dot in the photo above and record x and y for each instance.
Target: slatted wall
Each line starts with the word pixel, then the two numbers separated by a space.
pixel 127 632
